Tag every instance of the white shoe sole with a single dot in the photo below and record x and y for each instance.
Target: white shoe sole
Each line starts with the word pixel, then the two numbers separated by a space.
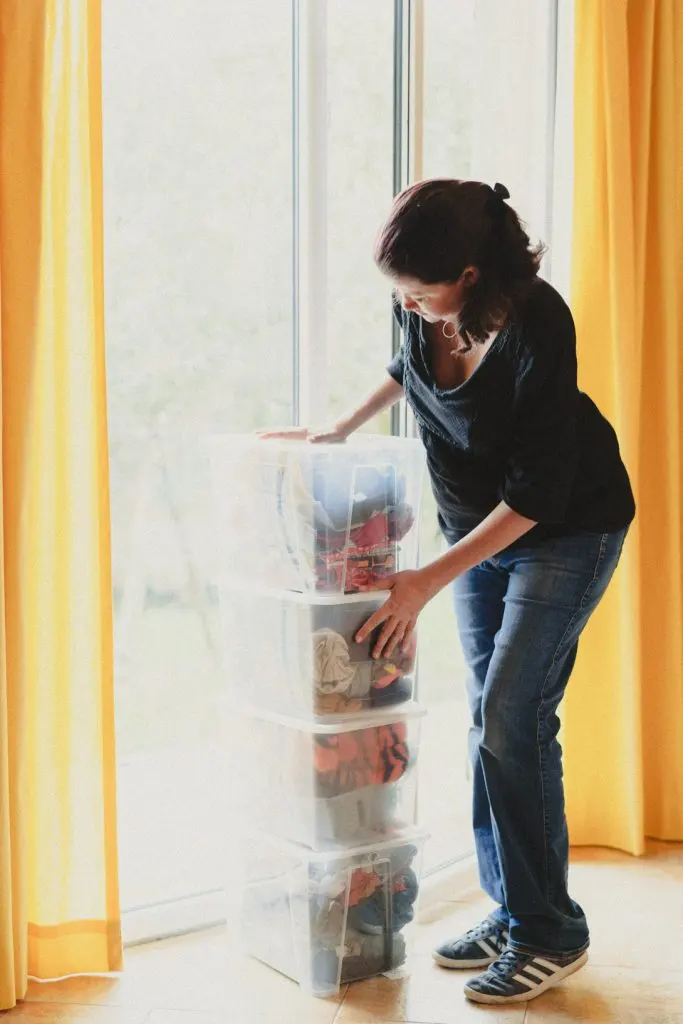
pixel 524 997
pixel 463 965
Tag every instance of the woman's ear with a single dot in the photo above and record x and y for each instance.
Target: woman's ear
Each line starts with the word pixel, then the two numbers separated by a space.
pixel 470 276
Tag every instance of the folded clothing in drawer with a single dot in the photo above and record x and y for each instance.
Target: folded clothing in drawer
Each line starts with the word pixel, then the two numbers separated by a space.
pixel 328 919
pixel 323 784
pixel 316 517
pixel 296 654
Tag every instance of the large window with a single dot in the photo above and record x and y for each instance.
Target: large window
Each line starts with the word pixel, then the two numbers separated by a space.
pixel 251 153
pixel 209 212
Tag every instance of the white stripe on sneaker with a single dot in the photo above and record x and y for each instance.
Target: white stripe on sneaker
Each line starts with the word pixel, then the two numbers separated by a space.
pixel 532 977
pixel 524 981
pixel 540 962
pixel 489 950
pixel 535 973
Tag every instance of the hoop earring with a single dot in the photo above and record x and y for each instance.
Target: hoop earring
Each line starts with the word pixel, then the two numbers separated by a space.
pixel 449 337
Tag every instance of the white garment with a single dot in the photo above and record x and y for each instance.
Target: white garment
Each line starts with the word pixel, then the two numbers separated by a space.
pixel 334 670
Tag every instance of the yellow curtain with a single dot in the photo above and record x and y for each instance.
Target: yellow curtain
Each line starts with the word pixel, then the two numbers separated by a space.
pixel 623 720
pixel 59 909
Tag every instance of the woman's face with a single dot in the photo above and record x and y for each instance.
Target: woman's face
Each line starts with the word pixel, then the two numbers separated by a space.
pixel 435 302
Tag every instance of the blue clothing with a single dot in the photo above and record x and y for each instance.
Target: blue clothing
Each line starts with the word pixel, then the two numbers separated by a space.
pixel 518 430
pixel 519 617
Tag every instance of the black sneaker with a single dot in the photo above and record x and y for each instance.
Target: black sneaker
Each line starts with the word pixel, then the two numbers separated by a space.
pixel 478 947
pixel 517 977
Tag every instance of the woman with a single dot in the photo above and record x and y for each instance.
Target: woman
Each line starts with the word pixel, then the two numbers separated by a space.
pixel 535 503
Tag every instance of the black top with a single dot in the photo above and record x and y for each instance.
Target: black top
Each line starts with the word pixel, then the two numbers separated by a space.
pixel 518 430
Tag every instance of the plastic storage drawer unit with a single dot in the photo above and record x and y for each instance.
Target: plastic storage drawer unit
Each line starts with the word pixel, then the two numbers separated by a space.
pixel 296 654
pixel 325 919
pixel 328 784
pixel 325 517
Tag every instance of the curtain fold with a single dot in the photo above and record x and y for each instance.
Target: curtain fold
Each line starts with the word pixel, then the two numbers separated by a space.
pixel 59 910
pixel 623 718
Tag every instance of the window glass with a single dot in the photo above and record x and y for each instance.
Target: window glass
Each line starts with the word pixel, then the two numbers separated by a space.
pixel 198 244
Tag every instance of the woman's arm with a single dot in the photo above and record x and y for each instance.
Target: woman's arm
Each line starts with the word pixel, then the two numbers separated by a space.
pixel 501 528
pixel 413 589
pixel 383 397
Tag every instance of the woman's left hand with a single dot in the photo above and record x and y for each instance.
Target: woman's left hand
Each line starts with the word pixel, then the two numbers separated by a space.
pixel 410 590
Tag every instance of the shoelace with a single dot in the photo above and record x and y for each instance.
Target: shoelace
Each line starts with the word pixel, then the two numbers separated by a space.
pixel 483 930
pixel 509 962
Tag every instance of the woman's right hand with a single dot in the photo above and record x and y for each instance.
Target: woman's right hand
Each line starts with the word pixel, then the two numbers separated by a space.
pixel 332 435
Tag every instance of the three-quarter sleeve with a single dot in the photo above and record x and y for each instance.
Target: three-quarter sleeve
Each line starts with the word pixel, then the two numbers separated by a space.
pixel 395 367
pixel 543 459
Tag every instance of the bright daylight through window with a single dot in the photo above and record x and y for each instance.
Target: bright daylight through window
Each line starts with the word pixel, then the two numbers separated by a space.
pixel 201 121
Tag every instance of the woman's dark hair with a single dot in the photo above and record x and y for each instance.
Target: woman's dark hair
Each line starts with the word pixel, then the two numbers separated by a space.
pixel 439 227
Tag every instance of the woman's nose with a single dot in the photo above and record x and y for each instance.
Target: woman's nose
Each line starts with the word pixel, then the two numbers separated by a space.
pixel 409 304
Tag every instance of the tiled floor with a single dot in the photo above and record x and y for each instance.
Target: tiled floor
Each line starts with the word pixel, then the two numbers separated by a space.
pixel 635 974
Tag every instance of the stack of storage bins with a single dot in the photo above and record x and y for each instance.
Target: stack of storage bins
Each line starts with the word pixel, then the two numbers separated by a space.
pixel 328 769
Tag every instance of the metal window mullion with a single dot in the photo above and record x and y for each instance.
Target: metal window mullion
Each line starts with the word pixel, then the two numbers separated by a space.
pixel 553 37
pixel 309 173
pixel 399 135
pixel 401 143
pixel 407 137
pixel 415 122
pixel 416 95
pixel 296 390
pixel 561 163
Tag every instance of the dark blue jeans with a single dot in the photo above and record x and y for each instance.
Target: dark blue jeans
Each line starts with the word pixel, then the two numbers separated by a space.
pixel 519 616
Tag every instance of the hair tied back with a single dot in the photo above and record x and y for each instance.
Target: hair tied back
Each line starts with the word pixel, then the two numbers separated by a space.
pixel 501 191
